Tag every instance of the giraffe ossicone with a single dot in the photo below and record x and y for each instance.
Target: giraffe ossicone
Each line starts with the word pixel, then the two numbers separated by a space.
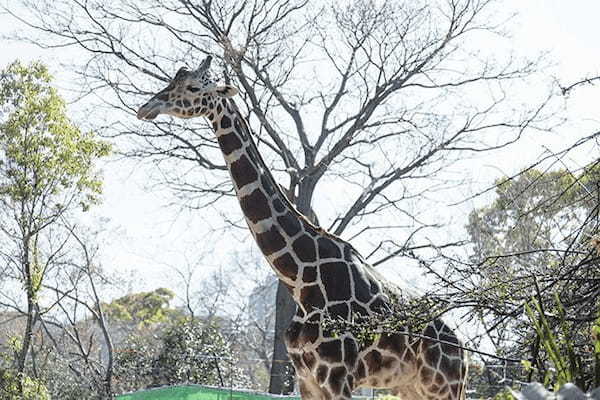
pixel 326 276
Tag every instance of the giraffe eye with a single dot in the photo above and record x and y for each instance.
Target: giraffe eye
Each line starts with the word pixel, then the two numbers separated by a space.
pixel 193 89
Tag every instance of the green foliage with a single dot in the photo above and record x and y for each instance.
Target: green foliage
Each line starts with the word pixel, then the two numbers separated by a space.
pixel 134 360
pixel 529 213
pixel 402 314
pixel 504 395
pixel 595 333
pixel 15 344
pixel 46 163
pixel 563 370
pixel 535 237
pixel 196 352
pixel 42 153
pixel 144 308
pixel 186 351
pixel 15 386
pixel 567 364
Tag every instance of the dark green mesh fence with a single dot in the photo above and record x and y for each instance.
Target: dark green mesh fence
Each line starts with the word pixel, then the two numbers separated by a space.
pixel 197 392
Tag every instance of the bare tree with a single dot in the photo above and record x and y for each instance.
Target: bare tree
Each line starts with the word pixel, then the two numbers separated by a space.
pixel 248 324
pixel 568 89
pixel 70 347
pixel 77 328
pixel 382 96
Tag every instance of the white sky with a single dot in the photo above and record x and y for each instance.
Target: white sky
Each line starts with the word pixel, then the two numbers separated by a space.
pixel 147 236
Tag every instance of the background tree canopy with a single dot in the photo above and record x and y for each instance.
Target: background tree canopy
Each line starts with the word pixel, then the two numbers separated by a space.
pixel 534 271
pixel 142 308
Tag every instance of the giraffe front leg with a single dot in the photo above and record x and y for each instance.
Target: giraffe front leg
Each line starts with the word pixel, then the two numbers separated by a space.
pixel 334 381
pixel 407 392
pixel 327 383
pixel 304 363
pixel 310 389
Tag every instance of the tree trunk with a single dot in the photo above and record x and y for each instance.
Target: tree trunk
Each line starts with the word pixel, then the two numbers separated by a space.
pixel 31 310
pixel 27 335
pixel 282 372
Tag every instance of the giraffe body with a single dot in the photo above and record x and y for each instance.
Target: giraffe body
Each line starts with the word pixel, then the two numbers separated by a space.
pixel 326 276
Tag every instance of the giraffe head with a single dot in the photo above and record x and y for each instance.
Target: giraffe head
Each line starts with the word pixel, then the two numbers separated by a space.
pixel 189 94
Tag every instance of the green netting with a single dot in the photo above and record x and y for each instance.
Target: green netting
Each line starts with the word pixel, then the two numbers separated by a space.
pixel 197 392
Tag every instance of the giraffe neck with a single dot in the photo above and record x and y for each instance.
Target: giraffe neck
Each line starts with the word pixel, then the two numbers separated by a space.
pixel 276 225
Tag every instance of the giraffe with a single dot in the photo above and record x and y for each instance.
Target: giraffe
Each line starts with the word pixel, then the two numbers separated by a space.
pixel 326 276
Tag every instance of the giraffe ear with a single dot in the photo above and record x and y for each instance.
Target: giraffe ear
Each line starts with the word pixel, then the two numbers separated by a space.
pixel 225 91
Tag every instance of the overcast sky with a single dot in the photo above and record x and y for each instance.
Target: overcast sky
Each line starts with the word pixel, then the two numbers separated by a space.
pixel 148 235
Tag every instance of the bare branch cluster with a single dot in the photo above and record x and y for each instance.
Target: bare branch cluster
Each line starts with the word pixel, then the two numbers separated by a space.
pixel 379 112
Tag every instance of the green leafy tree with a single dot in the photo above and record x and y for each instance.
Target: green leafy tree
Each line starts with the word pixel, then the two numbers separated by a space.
pixel 534 276
pixel 47 170
pixel 144 308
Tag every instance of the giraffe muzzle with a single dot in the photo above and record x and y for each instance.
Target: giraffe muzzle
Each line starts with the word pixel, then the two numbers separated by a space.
pixel 148 111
